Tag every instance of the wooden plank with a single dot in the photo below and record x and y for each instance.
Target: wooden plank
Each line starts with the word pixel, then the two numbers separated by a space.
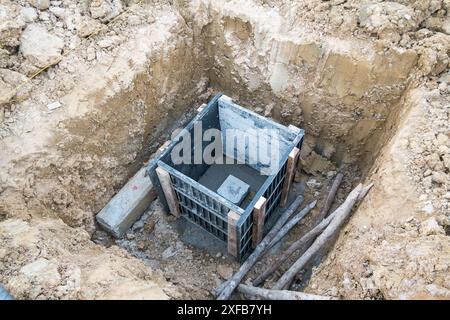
pixel 169 192
pixel 233 248
pixel 164 146
pixel 290 171
pixel 200 109
pixel 259 213
pixel 294 128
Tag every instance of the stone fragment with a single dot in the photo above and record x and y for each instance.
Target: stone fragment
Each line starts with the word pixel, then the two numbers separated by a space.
pixel 40 4
pixel 39 47
pixel 431 227
pixel 10 27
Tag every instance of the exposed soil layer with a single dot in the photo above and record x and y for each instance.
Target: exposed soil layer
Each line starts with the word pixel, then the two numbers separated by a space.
pixel 368 81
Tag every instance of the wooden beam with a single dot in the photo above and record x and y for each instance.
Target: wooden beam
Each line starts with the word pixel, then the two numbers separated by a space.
pixel 289 176
pixel 169 192
pixel 200 109
pixel 259 213
pixel 343 212
pixel 233 247
pixel 163 146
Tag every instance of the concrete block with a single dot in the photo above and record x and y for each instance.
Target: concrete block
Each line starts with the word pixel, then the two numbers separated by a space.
pixel 128 204
pixel 233 189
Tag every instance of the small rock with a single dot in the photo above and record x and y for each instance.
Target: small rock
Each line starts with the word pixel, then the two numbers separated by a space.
pixel 42 271
pixel 313 184
pixel 442 139
pixel 87 26
pixel 141 245
pixel 105 10
pixel 427 173
pixel 39 47
pixel 224 271
pixel 439 177
pixel 442 87
pixel 90 54
pixel 218 255
pixel 428 208
pixel 58 12
pixel 138 225
pixel 10 27
pixel 443 150
pixel 423 197
pixel 44 16
pixel 169 252
pixel 150 226
pixel 9 86
pixel 297 176
pixel 28 14
pixel 331 174
pixel 431 227
pixel 40 4
pixel 438 291
pixel 386 18
pixel 105 43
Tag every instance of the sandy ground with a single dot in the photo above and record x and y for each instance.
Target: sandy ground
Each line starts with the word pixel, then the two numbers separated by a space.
pixel 367 80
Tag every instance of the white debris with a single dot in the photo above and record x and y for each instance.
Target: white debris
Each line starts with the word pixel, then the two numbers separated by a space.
pixel 39 47
pixel 54 105
pixel 40 4
pixel 431 227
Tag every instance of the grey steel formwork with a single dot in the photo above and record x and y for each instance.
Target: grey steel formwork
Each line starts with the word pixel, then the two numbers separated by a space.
pixel 205 207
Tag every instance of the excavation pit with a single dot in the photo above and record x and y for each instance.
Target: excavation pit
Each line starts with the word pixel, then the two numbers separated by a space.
pixel 355 93
pixel 254 150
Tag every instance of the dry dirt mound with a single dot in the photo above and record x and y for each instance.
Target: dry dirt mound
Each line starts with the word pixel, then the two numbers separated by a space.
pixel 46 259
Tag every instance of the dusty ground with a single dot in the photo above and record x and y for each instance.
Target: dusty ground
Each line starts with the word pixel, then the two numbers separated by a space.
pixel 368 80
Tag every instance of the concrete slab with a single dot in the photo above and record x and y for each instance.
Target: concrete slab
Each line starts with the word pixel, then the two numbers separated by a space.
pixel 128 204
pixel 233 189
pixel 216 174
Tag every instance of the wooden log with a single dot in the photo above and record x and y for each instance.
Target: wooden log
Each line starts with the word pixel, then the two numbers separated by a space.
pixel 200 109
pixel 301 244
pixel 259 213
pixel 289 225
pixel 279 294
pixel 254 256
pixel 342 214
pixel 169 192
pixel 304 242
pixel 232 241
pixel 330 197
pixel 289 176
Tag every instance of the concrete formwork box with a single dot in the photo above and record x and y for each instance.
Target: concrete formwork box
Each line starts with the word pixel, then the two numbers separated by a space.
pixel 227 172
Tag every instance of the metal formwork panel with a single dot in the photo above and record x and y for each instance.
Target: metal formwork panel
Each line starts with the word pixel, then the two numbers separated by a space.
pixel 206 208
